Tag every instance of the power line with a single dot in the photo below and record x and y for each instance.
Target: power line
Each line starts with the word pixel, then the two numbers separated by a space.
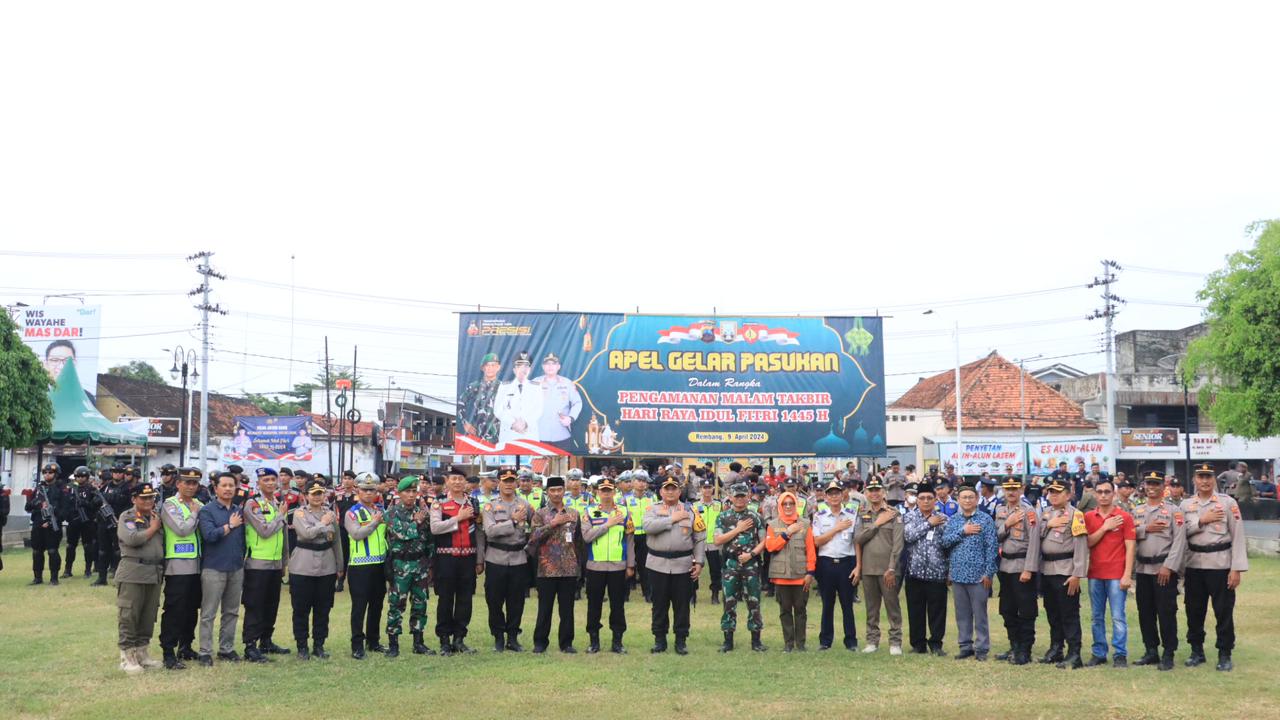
pixel 92 256
pixel 1161 271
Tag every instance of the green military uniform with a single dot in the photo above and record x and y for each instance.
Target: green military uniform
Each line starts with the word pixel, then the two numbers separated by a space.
pixel 741 582
pixel 476 404
pixel 410 547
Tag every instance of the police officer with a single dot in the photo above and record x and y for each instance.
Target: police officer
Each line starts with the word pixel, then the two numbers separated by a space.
pixel 243 491
pixel 313 565
pixel 740 532
pixel 676 540
pixel 180 516
pixel 49 504
pixel 561 405
pixel 608 535
pixel 366 558
pixel 638 506
pixel 265 540
pixel 168 481
pixel 710 508
pixel 505 522
pixel 410 545
pixel 138 578
pixel 1064 559
pixel 113 499
pixel 454 521
pixel 1018 531
pixel 1216 541
pixel 1162 548
pixel 82 527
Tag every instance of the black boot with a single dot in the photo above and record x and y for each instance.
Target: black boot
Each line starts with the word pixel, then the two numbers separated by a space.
pixel 617 648
pixel 1197 656
pixel 1072 660
pixel 593 644
pixel 513 643
pixel 171 661
pixel 446 647
pixel 715 597
pixel 681 647
pixel 1150 657
pixel 1021 655
pixel 1052 657
pixel 317 651
pixel 357 650
pixel 1224 661
pixel 1005 656
pixel 186 653
pixel 268 647
pixel 374 646
pixel 659 644
pixel 459 646
pixel 758 646
pixel 1166 662
pixel 303 653
pixel 253 654
pixel 728 642
pixel 419 647
pixel 393 646
pixel 499 644
pixel 101 581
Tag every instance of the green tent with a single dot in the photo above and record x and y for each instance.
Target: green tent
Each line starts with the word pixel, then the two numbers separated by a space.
pixel 76 420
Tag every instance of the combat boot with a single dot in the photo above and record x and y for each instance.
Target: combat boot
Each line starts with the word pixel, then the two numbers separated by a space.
pixel 317 651
pixel 513 643
pixel 268 647
pixel 715 597
pixel 303 653
pixel 499 645
pixel 129 663
pixel 1166 662
pixel 681 647
pixel 1072 660
pixel 446 646
pixel 728 642
pixel 1052 657
pixel 617 648
pixel 659 644
pixel 758 646
pixel 375 646
pixel 252 654
pixel 171 661
pixel 593 644
pixel 100 582
pixel 393 646
pixel 1021 655
pixel 357 650
pixel 1197 656
pixel 419 647
pixel 1224 661
pixel 186 653
pixel 143 656
pixel 1150 657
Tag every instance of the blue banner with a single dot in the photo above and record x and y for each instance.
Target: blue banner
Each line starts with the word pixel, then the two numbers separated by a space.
pixel 271 438
pixel 608 384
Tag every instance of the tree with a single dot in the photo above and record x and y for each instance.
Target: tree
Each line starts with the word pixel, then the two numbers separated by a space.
pixel 138 370
pixel 301 392
pixel 1238 357
pixel 273 406
pixel 25 411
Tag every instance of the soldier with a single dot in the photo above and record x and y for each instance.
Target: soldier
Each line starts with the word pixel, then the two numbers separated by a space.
pixel 1124 494
pixel 739 534
pixel 454 520
pixel 505 521
pixel 1018 530
pixel 410 545
pixel 1216 541
pixel 81 522
pixel 366 565
pixel 790 540
pixel 561 404
pixel 676 541
pixel 607 532
pixel 879 542
pixel 1064 558
pixel 313 565
pixel 518 405
pixel 1162 548
pixel 138 578
pixel 264 565
pixel 48 503
pixel 475 407
pixel 180 517
pixel 710 508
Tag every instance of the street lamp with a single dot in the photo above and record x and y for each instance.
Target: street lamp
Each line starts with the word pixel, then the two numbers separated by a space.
pixel 187 360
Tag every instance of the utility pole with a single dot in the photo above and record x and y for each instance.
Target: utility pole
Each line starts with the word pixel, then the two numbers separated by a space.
pixel 206 272
pixel 1108 313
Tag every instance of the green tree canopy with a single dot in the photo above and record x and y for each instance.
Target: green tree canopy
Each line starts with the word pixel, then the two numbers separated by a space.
pixel 1239 356
pixel 138 370
pixel 25 411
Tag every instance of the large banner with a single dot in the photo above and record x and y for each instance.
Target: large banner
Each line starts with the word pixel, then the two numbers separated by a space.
pixel 58 333
pixel 979 457
pixel 271 438
pixel 606 384
pixel 1078 454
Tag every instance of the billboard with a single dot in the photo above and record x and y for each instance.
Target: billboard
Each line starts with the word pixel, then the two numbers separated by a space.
pixel 58 333
pixel 157 430
pixel 271 438
pixel 1148 438
pixel 670 385
pixel 980 457
pixel 1078 454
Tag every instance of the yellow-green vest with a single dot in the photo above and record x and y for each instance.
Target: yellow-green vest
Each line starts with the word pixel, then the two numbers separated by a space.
pixel 181 547
pixel 637 507
pixel 373 549
pixel 611 546
pixel 710 513
pixel 260 548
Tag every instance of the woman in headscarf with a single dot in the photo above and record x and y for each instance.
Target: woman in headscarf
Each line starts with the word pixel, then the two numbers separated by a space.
pixel 791 570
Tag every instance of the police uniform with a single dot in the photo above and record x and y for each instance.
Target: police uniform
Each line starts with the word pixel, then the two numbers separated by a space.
pixel 710 512
pixel 314 562
pixel 638 504
pixel 1157 551
pixel 610 553
pixel 1019 554
pixel 82 528
pixel 1216 550
pixel 560 398
pixel 181 575
pixel 506 574
pixel 138 579
pixel 366 570
pixel 741 581
pixel 48 505
pixel 113 499
pixel 881 547
pixel 675 548
pixel 1064 554
pixel 410 546
pixel 267 556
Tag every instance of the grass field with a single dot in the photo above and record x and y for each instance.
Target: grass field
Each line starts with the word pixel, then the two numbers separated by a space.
pixel 58 659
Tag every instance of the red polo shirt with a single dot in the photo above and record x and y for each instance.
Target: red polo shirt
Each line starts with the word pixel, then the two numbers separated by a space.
pixel 1106 559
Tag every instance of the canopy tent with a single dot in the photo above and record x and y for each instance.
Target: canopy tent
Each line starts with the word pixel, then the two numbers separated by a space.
pixel 76 420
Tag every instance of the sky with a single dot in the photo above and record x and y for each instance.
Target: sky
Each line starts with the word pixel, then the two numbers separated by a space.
pixel 369 170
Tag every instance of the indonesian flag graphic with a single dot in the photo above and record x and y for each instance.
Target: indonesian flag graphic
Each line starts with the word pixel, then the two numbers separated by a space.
pixel 472 445
pixel 678 333
pixel 750 333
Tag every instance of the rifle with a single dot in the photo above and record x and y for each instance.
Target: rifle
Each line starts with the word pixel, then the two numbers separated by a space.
pixel 45 508
pixel 77 498
pixel 105 514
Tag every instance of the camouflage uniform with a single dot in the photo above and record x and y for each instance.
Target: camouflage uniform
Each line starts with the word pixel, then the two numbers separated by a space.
pixel 476 406
pixel 410 547
pixel 741 582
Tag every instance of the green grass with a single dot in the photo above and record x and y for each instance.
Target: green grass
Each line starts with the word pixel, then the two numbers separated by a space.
pixel 58 659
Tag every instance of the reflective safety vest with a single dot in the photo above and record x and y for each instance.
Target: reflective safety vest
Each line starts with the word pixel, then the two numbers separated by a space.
pixel 710 513
pixel 637 508
pixel 534 498
pixel 612 545
pixel 268 548
pixel 581 504
pixel 184 547
pixel 373 549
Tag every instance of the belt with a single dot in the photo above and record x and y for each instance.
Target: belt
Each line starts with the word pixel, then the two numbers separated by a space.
pixel 1150 560
pixel 1219 547
pixel 509 547
pixel 459 552
pixel 318 547
pixel 1017 556
pixel 670 554
pixel 145 561
pixel 1051 557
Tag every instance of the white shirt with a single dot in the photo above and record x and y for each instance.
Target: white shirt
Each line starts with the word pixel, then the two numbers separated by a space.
pixel 840 546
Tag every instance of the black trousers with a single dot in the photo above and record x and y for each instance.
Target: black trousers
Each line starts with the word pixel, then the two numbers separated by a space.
pixel 670 593
pixel 713 566
pixel 555 591
pixel 1018 608
pixel 833 584
pixel 1062 611
pixel 1158 612
pixel 86 534
pixel 312 599
pixel 926 611
pixel 182 598
pixel 261 600
pixel 615 583
pixel 108 550
pixel 504 588
pixel 641 578
pixel 368 587
pixel 45 541
pixel 455 577
pixel 1205 587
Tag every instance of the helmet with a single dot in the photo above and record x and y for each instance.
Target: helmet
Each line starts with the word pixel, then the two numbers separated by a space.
pixel 81 471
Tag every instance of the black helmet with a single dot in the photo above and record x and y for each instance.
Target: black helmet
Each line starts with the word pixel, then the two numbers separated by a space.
pixel 49 467
pixel 81 471
pixel 168 469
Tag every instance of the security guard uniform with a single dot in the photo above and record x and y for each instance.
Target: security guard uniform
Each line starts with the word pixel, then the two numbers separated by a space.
pixel 138 579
